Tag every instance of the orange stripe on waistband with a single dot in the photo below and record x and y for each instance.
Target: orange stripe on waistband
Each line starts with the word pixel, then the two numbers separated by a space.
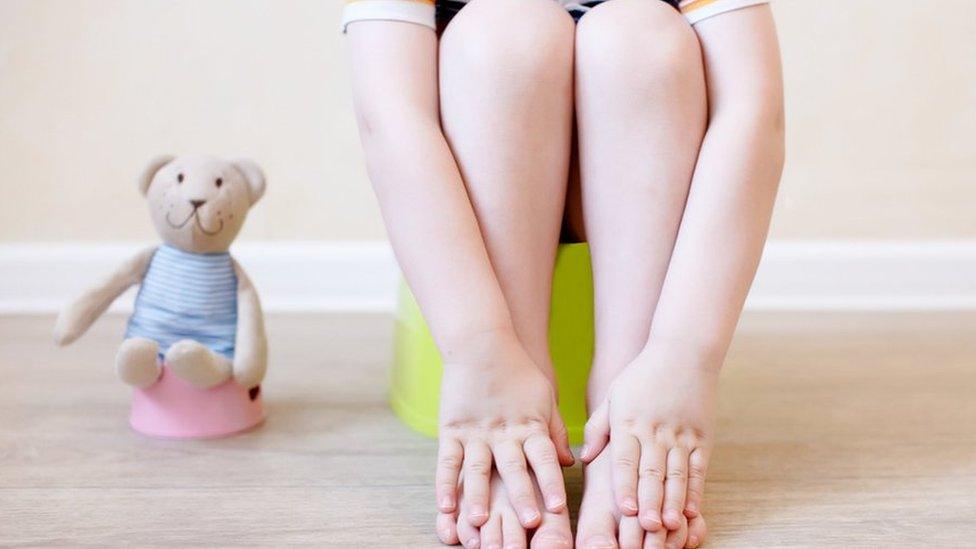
pixel 696 4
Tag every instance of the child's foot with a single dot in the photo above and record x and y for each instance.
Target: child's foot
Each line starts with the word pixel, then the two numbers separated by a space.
pixel 601 525
pixel 658 419
pixel 503 530
pixel 197 364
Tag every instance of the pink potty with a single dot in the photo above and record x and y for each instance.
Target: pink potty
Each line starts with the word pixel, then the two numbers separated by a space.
pixel 172 408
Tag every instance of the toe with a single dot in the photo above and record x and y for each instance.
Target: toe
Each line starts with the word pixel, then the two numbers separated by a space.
pixel 696 532
pixel 596 528
pixel 468 535
pixel 630 534
pixel 447 528
pixel 491 534
pixel 676 538
pixel 513 534
pixel 655 540
pixel 553 532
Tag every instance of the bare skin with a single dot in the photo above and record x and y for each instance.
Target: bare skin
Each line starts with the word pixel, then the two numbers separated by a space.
pixel 684 246
pixel 659 447
pixel 432 223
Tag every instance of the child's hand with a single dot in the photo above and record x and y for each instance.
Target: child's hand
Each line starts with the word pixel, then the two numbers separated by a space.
pixel 658 419
pixel 496 405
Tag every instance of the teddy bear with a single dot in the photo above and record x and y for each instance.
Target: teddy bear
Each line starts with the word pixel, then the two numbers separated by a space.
pixel 197 317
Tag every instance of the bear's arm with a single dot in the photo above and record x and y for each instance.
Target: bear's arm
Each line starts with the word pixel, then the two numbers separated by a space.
pixel 251 343
pixel 77 317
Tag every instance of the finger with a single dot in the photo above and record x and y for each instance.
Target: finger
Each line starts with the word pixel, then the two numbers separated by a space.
pixel 655 540
pixel 696 532
pixel 542 457
pixel 513 533
pixel 697 468
pixel 630 534
pixel 477 476
pixel 491 532
pixel 625 453
pixel 650 487
pixel 468 535
pixel 560 438
pixel 447 528
pixel 596 433
pixel 676 538
pixel 675 488
pixel 511 466
pixel 449 457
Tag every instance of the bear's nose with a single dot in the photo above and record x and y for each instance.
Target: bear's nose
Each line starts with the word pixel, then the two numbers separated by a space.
pixel 197 203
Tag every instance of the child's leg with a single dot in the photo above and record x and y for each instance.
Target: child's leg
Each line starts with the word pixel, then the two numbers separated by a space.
pixel 718 247
pixel 506 110
pixel 641 112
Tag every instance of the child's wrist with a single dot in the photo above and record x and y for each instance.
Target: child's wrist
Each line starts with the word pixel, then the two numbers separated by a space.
pixel 684 352
pixel 478 345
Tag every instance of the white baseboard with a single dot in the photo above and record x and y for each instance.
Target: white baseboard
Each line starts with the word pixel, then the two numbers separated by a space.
pixel 362 276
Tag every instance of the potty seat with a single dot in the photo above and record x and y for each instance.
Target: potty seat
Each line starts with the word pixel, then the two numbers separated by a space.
pixel 417 367
pixel 173 408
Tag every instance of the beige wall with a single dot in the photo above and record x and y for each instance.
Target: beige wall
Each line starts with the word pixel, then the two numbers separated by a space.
pixel 881 100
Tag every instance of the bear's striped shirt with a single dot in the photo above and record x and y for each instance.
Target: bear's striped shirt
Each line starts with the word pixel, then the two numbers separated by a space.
pixel 187 295
pixel 428 12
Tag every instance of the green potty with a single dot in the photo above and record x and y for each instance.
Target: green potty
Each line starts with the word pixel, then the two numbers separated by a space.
pixel 416 381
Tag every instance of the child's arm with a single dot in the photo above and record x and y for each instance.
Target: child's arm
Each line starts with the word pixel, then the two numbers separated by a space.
pixel 77 317
pixel 423 200
pixel 251 343
pixel 489 380
pixel 718 248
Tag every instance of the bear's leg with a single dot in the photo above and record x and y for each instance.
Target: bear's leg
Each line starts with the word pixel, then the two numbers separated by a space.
pixel 136 362
pixel 197 364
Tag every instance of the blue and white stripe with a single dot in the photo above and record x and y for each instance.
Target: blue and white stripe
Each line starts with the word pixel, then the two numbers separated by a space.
pixel 186 295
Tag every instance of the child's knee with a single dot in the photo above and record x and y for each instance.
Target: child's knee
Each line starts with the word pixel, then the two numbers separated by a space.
pixel 511 39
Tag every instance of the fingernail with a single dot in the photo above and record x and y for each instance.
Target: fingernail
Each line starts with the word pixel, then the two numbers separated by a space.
pixel 693 541
pixel 555 503
pixel 653 520
pixel 630 504
pixel 478 511
pixel 447 502
pixel 529 516
pixel 585 451
pixel 474 542
pixel 693 507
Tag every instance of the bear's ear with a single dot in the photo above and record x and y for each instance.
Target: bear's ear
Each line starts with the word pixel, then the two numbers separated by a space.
pixel 150 170
pixel 253 176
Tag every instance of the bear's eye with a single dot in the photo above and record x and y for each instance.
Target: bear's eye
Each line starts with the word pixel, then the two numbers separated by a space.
pixel 219 182
pixel 179 178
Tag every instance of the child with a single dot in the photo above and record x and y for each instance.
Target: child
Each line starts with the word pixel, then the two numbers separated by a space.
pixel 659 143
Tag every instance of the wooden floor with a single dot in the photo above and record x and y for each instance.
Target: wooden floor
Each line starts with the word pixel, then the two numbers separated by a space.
pixel 835 431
